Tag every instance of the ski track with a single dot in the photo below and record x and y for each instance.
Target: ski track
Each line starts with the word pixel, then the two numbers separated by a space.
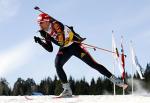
pixel 79 99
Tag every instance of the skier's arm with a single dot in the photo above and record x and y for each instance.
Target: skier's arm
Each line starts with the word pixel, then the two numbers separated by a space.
pixel 58 27
pixel 46 35
pixel 46 45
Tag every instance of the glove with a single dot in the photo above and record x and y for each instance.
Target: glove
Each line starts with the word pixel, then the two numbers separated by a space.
pixel 43 33
pixel 37 40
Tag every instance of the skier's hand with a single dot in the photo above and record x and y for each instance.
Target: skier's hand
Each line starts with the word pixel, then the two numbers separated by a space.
pixel 43 33
pixel 37 40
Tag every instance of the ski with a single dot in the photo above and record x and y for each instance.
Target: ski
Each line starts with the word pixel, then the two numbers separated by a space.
pixel 57 97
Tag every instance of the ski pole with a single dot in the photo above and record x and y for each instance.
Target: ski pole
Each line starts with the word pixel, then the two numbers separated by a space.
pixel 94 47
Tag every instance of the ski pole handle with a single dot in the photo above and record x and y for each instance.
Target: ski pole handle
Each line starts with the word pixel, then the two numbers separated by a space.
pixel 37 8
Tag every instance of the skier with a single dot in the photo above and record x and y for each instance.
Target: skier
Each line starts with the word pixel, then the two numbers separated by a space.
pixel 70 44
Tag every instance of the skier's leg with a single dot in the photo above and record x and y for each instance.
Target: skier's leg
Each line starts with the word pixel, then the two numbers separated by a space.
pixel 61 58
pixel 83 54
pixel 87 58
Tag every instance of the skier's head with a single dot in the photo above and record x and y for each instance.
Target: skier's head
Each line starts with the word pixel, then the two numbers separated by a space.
pixel 43 17
pixel 44 21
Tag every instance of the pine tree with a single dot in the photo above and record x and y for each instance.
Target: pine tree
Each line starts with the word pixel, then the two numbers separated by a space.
pixel 4 89
pixel 82 87
pixel 58 88
pixel 99 86
pixel 43 88
pixel 107 86
pixel 92 87
pixel 50 85
pixel 147 77
pixel 72 84
pixel 29 86
pixel 19 87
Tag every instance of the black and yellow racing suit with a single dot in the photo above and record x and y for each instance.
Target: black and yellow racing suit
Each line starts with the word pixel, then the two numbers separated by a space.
pixel 65 53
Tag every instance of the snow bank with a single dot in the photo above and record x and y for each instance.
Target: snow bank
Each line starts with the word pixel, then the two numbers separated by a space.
pixel 78 99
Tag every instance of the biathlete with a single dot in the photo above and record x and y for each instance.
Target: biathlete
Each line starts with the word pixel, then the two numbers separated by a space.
pixel 70 45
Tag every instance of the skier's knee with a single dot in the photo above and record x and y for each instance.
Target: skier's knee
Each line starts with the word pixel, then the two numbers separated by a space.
pixel 94 65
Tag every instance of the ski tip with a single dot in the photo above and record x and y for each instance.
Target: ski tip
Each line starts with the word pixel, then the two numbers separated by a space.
pixel 57 97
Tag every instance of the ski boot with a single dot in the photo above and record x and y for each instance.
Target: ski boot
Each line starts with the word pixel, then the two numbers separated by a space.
pixel 67 92
pixel 118 82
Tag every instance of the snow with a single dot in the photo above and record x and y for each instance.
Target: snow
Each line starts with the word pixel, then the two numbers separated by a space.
pixel 77 99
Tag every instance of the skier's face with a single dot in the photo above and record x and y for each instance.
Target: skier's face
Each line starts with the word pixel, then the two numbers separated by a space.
pixel 44 25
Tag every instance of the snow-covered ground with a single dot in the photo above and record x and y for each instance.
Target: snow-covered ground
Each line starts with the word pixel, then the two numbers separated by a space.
pixel 78 99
